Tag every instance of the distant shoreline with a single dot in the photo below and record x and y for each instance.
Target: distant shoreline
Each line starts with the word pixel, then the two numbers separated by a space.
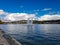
pixel 34 22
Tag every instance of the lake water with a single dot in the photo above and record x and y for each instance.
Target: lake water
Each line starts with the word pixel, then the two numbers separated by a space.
pixel 36 34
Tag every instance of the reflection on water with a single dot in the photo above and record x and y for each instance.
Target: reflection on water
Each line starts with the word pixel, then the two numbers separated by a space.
pixel 42 34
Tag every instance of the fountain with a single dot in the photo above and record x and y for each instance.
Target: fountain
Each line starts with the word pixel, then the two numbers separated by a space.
pixel 30 21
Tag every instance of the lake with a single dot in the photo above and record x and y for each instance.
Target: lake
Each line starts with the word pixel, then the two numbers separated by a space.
pixel 36 34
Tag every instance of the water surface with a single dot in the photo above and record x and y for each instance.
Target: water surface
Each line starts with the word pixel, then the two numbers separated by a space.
pixel 36 34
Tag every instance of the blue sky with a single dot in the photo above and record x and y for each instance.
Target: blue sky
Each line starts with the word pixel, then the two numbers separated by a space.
pixel 39 7
pixel 29 6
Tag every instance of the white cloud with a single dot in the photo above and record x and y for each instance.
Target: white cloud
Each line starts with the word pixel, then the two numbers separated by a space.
pixel 49 17
pixel 1 12
pixel 18 16
pixel 46 9
pixel 15 16
pixel 25 16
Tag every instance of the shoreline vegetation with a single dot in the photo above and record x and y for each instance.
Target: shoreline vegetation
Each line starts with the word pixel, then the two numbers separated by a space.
pixel 34 22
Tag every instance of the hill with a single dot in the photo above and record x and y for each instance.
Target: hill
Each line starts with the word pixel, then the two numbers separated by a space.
pixel 34 22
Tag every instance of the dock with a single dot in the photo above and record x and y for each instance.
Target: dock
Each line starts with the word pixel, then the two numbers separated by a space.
pixel 6 39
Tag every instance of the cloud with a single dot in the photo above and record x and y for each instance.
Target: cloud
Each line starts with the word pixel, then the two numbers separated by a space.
pixel 49 17
pixel 46 9
pixel 2 12
pixel 5 16
pixel 24 16
pixel 18 16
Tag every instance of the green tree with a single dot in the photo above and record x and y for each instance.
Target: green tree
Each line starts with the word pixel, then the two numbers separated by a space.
pixel 0 22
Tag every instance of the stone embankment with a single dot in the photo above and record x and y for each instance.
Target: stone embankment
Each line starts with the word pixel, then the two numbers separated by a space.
pixel 6 39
